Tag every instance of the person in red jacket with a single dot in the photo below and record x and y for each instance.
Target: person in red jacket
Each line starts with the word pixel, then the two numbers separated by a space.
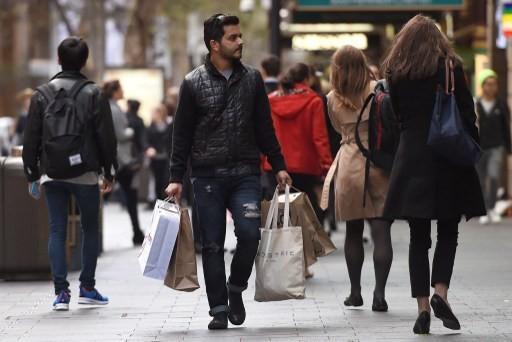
pixel 299 122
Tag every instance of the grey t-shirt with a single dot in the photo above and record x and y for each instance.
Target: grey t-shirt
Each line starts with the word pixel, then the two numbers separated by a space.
pixel 227 73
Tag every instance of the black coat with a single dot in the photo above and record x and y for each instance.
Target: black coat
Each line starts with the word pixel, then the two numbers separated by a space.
pixel 423 184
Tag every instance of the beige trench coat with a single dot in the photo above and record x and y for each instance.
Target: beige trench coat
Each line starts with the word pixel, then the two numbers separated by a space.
pixel 347 171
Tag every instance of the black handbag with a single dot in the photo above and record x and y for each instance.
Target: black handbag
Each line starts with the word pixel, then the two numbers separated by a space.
pixel 447 135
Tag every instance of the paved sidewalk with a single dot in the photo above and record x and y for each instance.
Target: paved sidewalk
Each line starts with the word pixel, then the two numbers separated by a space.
pixel 144 310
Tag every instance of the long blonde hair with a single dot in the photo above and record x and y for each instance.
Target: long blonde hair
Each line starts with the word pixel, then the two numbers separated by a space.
pixel 350 76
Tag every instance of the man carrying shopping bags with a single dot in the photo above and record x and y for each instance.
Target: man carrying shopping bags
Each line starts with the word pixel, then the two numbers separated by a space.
pixel 222 123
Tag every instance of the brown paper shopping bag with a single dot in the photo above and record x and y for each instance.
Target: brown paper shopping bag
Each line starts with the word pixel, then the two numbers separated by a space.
pixel 316 241
pixel 182 272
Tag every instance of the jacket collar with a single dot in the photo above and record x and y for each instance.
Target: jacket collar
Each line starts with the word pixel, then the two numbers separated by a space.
pixel 69 74
pixel 238 69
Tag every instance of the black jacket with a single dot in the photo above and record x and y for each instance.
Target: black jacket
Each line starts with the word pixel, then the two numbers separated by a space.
pixel 159 140
pixel 100 139
pixel 223 126
pixel 494 126
pixel 140 139
pixel 423 184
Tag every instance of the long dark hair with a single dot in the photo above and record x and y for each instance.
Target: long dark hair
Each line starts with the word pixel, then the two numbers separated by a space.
pixel 416 51
pixel 296 74
pixel 350 76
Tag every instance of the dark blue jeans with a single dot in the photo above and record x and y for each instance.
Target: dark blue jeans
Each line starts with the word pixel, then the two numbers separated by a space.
pixel 88 199
pixel 241 196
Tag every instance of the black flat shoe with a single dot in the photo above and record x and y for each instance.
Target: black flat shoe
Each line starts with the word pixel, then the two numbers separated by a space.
pixel 219 321
pixel 236 308
pixel 379 305
pixel 444 313
pixel 353 300
pixel 422 325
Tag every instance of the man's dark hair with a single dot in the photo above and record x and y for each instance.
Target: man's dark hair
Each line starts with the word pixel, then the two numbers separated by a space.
pixel 73 53
pixel 214 27
pixel 133 106
pixel 271 65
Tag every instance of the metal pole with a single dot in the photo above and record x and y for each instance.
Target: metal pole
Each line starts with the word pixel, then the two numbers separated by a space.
pixel 491 30
pixel 275 31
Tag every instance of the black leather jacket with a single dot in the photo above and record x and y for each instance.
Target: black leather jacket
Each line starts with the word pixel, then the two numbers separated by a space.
pixel 223 125
pixel 100 140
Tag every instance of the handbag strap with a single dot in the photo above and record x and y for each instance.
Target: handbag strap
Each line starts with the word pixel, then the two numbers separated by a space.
pixel 449 77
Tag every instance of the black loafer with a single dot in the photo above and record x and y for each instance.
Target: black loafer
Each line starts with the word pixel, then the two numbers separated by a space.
pixel 379 305
pixel 219 321
pixel 353 300
pixel 444 313
pixel 236 308
pixel 422 325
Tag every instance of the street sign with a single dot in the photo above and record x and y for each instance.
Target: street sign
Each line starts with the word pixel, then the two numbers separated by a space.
pixel 506 19
pixel 379 5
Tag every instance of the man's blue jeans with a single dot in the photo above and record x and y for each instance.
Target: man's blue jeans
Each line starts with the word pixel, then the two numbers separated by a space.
pixel 88 199
pixel 241 196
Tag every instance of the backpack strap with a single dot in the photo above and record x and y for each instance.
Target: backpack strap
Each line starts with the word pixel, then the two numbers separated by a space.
pixel 361 147
pixel 75 89
pixel 359 143
pixel 47 92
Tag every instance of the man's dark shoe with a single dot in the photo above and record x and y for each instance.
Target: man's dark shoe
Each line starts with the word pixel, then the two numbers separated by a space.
pixel 422 325
pixel 353 300
pixel 444 313
pixel 219 321
pixel 236 308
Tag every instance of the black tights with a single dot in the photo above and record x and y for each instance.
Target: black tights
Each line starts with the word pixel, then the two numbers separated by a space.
pixel 382 253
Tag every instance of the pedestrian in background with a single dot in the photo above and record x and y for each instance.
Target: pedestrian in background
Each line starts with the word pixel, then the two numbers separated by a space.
pixel 128 164
pixel 23 98
pixel 494 126
pixel 423 185
pixel 159 135
pixel 270 70
pixel 135 122
pixel 299 121
pixel 352 81
pixel 98 155
pixel 222 124
pixel 334 141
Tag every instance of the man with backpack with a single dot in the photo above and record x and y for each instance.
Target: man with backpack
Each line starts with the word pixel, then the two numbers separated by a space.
pixel 69 141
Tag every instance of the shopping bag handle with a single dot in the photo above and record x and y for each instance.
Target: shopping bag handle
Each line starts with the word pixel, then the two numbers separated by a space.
pixel 272 216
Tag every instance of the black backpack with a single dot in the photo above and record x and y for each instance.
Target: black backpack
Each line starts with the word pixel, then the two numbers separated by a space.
pixel 383 132
pixel 64 132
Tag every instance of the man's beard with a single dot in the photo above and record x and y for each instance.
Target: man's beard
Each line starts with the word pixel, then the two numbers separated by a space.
pixel 231 55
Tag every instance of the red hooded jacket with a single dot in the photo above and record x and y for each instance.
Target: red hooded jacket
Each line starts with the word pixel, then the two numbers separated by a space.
pixel 299 122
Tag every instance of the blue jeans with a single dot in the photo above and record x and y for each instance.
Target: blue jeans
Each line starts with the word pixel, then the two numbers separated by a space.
pixel 241 196
pixel 58 195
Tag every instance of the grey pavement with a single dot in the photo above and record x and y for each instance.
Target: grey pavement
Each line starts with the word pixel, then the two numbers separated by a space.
pixel 142 309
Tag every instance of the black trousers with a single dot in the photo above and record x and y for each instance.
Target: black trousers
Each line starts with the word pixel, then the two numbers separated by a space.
pixel 444 255
pixel 125 178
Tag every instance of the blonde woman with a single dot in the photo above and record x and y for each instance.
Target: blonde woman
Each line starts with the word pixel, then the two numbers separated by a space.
pixel 352 80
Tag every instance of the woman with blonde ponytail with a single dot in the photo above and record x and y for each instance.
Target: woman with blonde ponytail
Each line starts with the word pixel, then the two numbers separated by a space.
pixel 352 81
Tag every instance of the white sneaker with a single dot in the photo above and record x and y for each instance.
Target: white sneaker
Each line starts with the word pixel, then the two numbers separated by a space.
pixel 484 220
pixel 495 217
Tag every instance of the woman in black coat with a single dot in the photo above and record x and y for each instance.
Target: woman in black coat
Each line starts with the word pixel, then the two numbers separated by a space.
pixel 423 185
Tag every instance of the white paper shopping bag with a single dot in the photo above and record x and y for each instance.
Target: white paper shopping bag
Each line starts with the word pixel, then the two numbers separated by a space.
pixel 158 245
